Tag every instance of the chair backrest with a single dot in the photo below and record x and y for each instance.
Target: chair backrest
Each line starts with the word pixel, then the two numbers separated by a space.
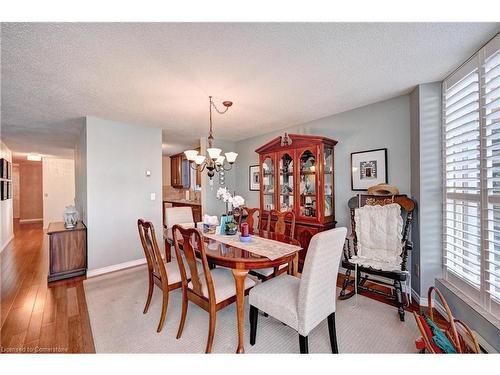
pixel 407 207
pixel 152 251
pixel 252 215
pixel 318 283
pixel 191 243
pixel 178 215
pixel 280 226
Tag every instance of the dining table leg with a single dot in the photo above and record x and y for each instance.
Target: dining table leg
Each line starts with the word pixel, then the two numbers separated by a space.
pixel 295 265
pixel 239 279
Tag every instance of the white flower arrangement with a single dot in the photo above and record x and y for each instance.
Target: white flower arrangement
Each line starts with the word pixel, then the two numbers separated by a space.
pixel 224 195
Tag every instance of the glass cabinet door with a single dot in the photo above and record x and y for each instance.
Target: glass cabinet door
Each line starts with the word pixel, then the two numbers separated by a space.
pixel 307 185
pixel 286 183
pixel 268 183
pixel 328 181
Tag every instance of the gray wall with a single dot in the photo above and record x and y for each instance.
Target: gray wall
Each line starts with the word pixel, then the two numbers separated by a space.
pixel 81 173
pixel 426 185
pixel 381 125
pixel 118 191
pixel 415 186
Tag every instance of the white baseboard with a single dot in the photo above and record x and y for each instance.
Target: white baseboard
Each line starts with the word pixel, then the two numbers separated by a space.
pixel 116 267
pixel 6 243
pixel 28 221
pixel 422 301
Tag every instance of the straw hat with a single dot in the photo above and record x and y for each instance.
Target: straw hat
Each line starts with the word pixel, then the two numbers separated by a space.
pixel 383 189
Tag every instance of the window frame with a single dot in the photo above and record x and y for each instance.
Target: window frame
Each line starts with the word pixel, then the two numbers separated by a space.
pixel 481 295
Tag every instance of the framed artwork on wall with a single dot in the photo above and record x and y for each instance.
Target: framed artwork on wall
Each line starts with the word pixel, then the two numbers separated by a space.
pixel 368 168
pixel 253 178
pixel 4 168
pixel 9 189
pixel 3 190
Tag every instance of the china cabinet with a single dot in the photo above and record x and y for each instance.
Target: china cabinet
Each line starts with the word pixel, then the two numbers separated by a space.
pixel 297 175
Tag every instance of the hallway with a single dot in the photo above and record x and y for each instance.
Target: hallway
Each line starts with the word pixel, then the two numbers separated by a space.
pixel 35 317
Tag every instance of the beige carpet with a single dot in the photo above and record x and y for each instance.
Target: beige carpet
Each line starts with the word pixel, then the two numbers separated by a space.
pixel 116 301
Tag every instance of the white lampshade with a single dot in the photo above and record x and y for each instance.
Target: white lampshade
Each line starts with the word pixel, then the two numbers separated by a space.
pixel 199 159
pixel 214 152
pixel 191 154
pixel 220 160
pixel 231 157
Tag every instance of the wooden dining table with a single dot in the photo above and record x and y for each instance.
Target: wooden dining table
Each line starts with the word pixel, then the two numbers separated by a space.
pixel 241 261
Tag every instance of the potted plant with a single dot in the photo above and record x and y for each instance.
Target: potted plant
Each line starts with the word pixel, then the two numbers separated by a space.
pixel 236 201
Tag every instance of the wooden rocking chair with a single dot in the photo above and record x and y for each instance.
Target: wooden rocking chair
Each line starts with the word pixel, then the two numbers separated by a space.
pixel 398 276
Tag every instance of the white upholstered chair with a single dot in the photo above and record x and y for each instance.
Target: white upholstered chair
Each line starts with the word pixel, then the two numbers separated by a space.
pixel 303 303
pixel 175 215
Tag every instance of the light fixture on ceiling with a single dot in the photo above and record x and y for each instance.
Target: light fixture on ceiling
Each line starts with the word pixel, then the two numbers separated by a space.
pixel 214 161
pixel 34 157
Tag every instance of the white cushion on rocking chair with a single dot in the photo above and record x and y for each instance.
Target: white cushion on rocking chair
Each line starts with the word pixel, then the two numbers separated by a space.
pixel 377 264
pixel 379 232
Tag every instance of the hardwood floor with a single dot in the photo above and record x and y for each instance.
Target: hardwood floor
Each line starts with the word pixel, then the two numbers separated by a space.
pixel 35 317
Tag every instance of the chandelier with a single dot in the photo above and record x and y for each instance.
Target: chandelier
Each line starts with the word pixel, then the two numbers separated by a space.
pixel 214 161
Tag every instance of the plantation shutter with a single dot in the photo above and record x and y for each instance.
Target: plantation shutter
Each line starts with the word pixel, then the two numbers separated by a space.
pixel 462 232
pixel 491 118
pixel 471 162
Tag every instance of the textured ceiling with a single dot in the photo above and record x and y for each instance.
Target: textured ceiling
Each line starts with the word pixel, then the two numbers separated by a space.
pixel 160 74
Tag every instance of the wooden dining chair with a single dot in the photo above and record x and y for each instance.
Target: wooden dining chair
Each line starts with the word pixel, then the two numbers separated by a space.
pixel 304 303
pixel 211 290
pixel 252 216
pixel 279 227
pixel 166 276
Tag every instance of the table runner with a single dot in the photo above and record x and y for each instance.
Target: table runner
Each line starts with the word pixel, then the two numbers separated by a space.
pixel 261 246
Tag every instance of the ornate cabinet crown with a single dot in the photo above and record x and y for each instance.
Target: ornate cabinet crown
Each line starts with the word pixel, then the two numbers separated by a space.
pixel 297 175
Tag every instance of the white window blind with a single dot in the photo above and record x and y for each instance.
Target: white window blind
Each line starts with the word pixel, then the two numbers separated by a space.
pixel 462 161
pixel 491 115
pixel 471 159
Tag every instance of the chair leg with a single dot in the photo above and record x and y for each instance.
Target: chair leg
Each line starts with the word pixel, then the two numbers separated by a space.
pixel 399 299
pixel 211 329
pixel 163 311
pixel 333 333
pixel 254 315
pixel 183 314
pixel 345 284
pixel 150 293
pixel 304 345
pixel 168 251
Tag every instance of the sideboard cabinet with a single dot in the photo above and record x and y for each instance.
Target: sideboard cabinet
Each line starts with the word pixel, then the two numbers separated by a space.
pixel 67 251
pixel 297 175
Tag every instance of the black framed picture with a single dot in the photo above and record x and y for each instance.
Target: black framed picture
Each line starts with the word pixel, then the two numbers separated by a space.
pixel 368 168
pixel 4 167
pixel 3 190
pixel 253 178
pixel 9 189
